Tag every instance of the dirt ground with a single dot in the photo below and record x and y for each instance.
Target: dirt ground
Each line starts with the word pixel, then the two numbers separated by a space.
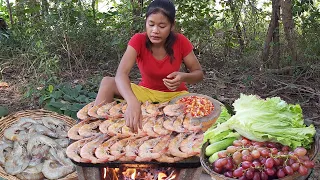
pixel 224 85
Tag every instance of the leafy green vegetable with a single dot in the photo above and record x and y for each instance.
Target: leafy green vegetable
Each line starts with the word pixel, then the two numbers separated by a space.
pixel 3 111
pixel 271 119
pixel 223 117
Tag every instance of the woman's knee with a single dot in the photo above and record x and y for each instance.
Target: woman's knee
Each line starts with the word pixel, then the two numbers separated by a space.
pixel 108 81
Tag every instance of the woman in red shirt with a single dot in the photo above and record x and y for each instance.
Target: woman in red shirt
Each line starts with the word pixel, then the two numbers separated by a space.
pixel 159 53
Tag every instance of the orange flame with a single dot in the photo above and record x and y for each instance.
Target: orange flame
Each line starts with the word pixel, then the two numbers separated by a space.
pixel 162 176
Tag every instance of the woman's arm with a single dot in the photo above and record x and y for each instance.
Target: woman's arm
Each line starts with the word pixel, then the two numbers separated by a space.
pixel 133 114
pixel 122 75
pixel 195 75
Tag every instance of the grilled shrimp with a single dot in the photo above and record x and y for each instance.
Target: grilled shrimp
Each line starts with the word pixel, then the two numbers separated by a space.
pixel 90 129
pixel 191 126
pixel 116 111
pixel 118 148
pixel 168 123
pixel 177 124
pixel 174 146
pixel 152 109
pixel 158 127
pixel 73 131
pixel 188 143
pixel 73 150
pixel 148 126
pixel 87 151
pixel 173 109
pixel 93 110
pixel 162 145
pixel 103 111
pixel 103 127
pixel 83 113
pixel 103 151
pixel 168 158
pixel 146 150
pixel 115 128
pixel 132 148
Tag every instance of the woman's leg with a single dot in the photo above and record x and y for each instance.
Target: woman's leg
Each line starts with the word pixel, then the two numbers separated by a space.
pixel 107 91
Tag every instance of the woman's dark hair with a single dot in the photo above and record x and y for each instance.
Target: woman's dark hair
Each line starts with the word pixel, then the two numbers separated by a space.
pixel 166 7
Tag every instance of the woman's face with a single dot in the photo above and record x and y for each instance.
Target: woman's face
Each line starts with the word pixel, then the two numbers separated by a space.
pixel 158 28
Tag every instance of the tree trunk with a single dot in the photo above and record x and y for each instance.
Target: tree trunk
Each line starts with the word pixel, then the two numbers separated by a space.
pixel 93 6
pixel 10 12
pixel 276 37
pixel 237 24
pixel 270 33
pixel 288 25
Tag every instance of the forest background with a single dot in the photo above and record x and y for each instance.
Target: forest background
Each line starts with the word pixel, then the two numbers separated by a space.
pixel 54 53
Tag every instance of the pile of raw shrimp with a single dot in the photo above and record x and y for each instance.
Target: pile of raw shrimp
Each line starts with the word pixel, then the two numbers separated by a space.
pixel 167 135
pixel 35 149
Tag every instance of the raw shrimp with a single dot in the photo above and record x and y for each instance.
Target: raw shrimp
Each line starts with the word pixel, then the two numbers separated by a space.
pixel 4 146
pixel 32 172
pixel 63 142
pixel 103 111
pixel 103 151
pixel 174 146
pixel 90 129
pixel 132 148
pixel 52 170
pixel 191 126
pixel 73 150
pixel 158 127
pixel 18 160
pixel 38 139
pixel 60 156
pixel 41 129
pixel 173 109
pixel 83 113
pixel 87 151
pixel 73 131
pixel 12 133
pixel 148 127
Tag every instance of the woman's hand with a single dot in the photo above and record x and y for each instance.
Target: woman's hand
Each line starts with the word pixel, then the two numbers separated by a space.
pixel 173 80
pixel 133 116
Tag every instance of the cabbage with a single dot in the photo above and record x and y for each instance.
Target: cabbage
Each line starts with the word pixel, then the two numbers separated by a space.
pixel 271 119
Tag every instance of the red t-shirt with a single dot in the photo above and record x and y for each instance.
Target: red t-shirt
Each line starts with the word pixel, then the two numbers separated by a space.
pixel 153 70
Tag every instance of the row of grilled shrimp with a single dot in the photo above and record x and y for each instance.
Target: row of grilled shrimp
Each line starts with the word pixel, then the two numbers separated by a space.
pixel 115 110
pixel 167 135
pixel 34 149
pixel 103 148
